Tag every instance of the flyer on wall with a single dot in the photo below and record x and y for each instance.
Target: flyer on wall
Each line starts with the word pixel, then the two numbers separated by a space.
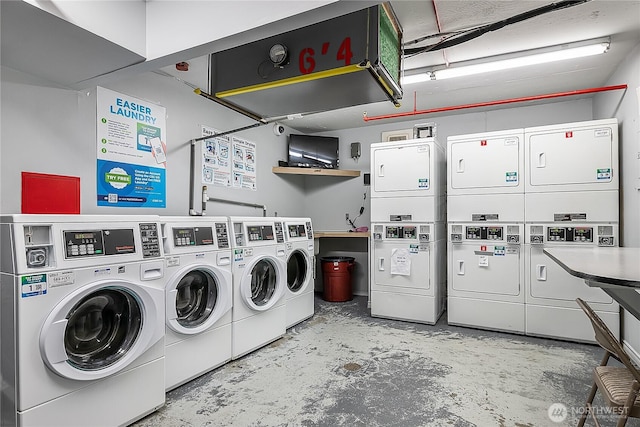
pixel 216 162
pixel 131 151
pixel 228 162
pixel 244 164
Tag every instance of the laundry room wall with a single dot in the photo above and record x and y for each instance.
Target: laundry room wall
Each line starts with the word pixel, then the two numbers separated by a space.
pixel 329 198
pixel 627 110
pixel 47 129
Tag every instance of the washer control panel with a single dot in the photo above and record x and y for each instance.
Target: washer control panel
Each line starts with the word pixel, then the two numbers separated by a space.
pixel 258 233
pixel 222 234
pixel 296 230
pixel 279 232
pixel 150 240
pixel 86 243
pixel 192 236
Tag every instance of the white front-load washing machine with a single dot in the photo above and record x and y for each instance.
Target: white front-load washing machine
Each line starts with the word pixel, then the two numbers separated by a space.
pixel 82 319
pixel 300 269
pixel 198 296
pixel 259 283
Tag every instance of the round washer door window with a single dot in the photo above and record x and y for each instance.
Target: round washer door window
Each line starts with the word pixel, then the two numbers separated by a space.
pixel 263 283
pixel 264 279
pixel 296 271
pixel 101 328
pixel 196 297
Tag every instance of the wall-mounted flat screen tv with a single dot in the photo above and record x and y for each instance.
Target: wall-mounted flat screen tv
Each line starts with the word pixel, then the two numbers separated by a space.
pixel 313 151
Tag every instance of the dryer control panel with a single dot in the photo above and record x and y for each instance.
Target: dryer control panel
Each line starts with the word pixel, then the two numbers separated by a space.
pixel 484 233
pixel 401 232
pixel 600 235
pixel 570 234
pixel 510 233
pixel 419 232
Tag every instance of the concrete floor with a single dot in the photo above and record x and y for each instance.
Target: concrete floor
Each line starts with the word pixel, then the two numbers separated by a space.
pixel 345 368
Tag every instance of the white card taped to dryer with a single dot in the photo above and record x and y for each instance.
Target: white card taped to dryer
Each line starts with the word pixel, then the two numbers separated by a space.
pixel 483 261
pixel 400 262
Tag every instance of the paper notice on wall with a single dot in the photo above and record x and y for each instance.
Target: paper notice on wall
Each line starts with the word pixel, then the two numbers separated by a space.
pixel 400 262
pixel 483 261
pixel 131 151
pixel 216 159
pixel 244 164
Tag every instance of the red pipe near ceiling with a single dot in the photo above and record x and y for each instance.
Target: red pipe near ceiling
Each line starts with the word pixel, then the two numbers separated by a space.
pixel 492 103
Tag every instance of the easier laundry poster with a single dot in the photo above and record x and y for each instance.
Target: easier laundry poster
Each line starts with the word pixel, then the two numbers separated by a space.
pixel 131 151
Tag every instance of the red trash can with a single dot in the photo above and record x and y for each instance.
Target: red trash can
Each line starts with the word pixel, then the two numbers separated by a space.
pixel 336 278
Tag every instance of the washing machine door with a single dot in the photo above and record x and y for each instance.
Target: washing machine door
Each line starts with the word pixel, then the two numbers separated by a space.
pixel 99 329
pixel 197 297
pixel 263 282
pixel 298 271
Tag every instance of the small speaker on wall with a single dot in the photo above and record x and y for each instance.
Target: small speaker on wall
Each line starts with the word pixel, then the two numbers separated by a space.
pixel 367 178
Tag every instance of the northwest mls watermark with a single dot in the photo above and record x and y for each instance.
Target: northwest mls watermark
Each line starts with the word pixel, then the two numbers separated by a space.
pixel 559 413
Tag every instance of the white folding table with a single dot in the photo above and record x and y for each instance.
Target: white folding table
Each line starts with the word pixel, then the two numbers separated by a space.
pixel 615 270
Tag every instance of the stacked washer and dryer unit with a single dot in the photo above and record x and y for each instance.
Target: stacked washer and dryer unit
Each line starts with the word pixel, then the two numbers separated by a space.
pixel 82 319
pixel 408 221
pixel 199 296
pixel 513 193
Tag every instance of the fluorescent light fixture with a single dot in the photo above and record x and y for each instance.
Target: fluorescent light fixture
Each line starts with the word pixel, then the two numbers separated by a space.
pixel 552 54
pixel 417 78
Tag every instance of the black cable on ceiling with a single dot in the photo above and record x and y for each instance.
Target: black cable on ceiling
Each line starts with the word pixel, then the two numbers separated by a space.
pixel 458 38
pixel 434 36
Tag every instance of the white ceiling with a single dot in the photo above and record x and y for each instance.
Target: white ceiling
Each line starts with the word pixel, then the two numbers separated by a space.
pixel 29 41
pixel 617 19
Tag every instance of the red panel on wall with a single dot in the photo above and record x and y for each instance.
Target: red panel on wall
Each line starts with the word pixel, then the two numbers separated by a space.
pixel 51 194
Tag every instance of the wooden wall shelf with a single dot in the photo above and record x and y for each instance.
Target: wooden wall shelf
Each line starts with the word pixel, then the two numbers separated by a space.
pixel 311 171
pixel 323 234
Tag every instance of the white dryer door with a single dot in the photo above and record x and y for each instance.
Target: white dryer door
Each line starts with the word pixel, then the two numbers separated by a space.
pixel 412 275
pixel 485 272
pixel 197 297
pixel 402 171
pixel 263 282
pixel 551 282
pixel 492 162
pixel 299 270
pixel 99 329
